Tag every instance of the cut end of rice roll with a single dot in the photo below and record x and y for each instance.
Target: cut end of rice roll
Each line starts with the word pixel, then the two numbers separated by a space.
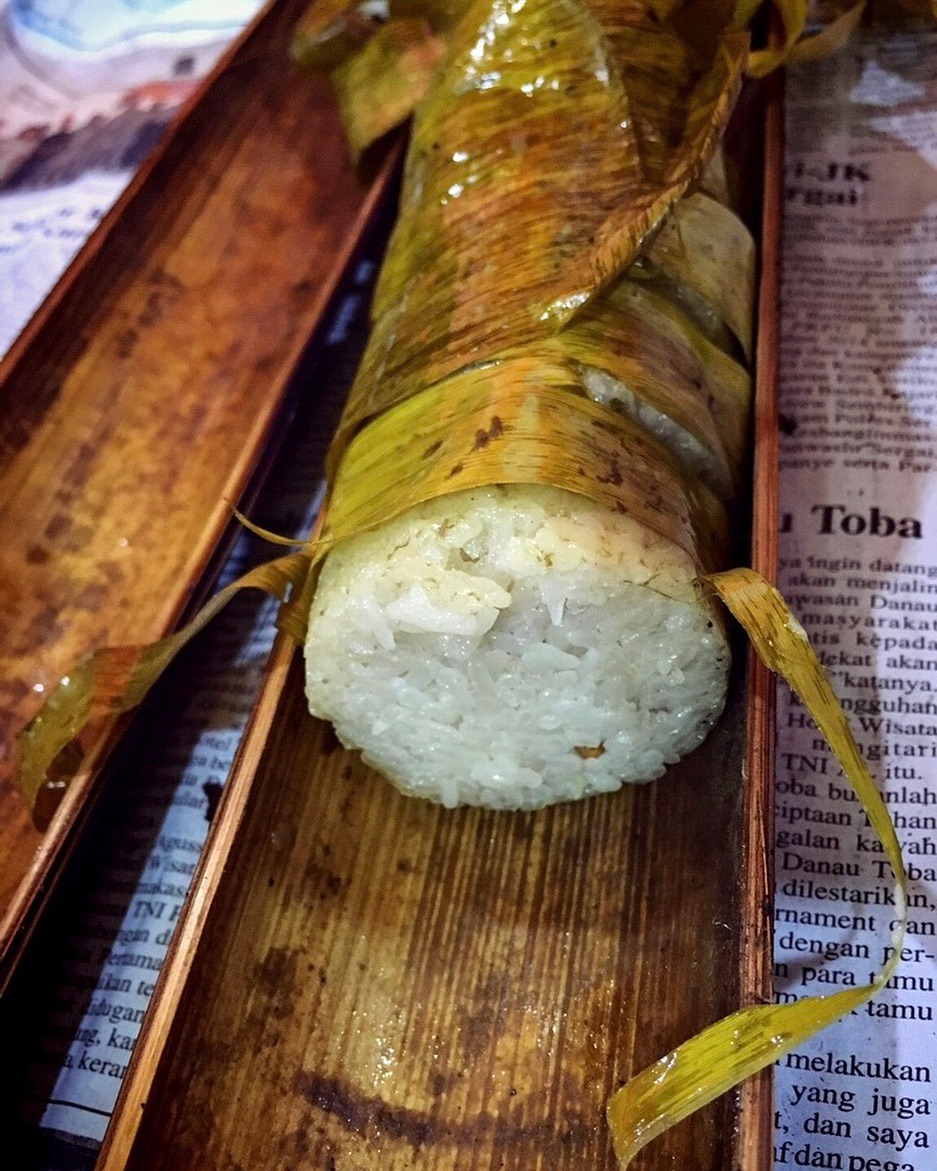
pixel 513 647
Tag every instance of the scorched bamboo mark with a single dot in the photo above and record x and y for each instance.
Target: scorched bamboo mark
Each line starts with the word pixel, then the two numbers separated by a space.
pixel 368 1115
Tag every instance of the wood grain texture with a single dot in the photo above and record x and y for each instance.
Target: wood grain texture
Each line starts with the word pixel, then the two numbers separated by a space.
pixel 379 982
pixel 754 1149
pixel 138 403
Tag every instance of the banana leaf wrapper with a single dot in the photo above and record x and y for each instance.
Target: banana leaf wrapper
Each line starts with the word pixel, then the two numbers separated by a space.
pixel 523 422
pixel 703 257
pixel 333 36
pixel 527 197
pixel 505 324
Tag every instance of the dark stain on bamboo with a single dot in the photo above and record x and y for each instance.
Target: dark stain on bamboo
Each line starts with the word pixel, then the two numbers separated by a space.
pixel 366 1114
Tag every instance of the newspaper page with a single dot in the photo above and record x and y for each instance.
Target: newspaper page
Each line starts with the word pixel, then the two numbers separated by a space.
pixel 859 568
pixel 86 89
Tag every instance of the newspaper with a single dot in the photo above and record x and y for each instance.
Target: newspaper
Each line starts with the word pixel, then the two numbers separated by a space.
pixel 859 567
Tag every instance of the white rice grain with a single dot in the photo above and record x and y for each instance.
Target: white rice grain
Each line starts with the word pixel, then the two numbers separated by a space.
pixel 513 647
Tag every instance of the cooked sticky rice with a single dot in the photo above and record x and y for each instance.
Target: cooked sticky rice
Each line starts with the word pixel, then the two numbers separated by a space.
pixel 514 646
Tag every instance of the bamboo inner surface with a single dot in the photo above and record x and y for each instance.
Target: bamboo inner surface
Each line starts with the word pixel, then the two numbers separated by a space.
pixel 384 983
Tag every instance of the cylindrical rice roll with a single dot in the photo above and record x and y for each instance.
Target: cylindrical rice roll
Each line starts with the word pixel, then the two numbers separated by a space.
pixel 514 646
pixel 508 614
